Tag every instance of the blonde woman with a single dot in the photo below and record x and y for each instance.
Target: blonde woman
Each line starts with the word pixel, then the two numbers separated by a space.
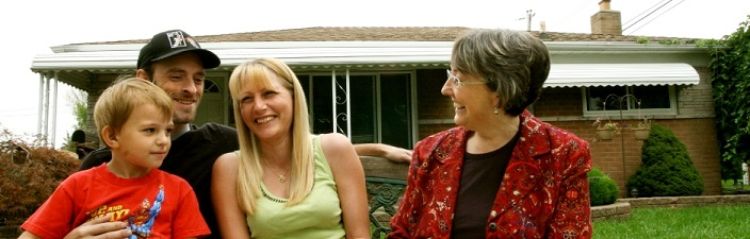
pixel 285 182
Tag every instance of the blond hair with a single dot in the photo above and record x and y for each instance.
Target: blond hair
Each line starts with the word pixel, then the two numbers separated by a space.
pixel 259 74
pixel 116 103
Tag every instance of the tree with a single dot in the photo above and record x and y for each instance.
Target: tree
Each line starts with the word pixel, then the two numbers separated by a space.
pixel 730 65
pixel 666 168
pixel 80 112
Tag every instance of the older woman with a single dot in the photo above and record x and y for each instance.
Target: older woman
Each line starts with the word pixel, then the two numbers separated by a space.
pixel 501 173
pixel 285 182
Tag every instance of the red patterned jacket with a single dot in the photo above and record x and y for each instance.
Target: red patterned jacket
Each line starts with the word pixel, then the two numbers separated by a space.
pixel 544 193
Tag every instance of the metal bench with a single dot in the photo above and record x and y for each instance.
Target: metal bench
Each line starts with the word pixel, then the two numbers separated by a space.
pixel 386 182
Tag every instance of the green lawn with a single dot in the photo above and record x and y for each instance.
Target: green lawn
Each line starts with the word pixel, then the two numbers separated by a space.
pixel 728 186
pixel 691 222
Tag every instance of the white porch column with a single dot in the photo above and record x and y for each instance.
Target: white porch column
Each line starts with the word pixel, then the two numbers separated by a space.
pixel 40 104
pixel 45 127
pixel 348 107
pixel 54 112
pixel 333 101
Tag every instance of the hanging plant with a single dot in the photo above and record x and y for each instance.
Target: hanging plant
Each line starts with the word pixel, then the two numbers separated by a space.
pixel 642 129
pixel 606 130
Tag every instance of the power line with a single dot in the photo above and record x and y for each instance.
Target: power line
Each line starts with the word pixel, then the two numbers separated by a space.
pixel 649 9
pixel 644 17
pixel 657 16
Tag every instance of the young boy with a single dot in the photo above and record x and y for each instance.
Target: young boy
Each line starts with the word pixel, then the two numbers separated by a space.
pixel 134 119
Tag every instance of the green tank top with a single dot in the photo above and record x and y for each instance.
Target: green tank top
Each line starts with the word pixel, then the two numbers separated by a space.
pixel 317 216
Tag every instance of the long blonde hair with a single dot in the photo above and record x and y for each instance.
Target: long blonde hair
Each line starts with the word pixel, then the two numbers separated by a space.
pixel 258 73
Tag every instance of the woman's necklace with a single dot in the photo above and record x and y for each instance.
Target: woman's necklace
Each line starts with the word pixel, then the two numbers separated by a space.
pixel 282 177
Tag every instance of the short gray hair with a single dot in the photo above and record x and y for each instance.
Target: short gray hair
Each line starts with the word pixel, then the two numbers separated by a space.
pixel 515 64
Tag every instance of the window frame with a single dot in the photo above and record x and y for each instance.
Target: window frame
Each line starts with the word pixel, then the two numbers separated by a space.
pixel 413 124
pixel 631 113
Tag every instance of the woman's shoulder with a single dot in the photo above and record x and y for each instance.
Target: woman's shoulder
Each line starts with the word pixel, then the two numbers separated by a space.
pixel 334 141
pixel 562 136
pixel 227 161
pixel 556 134
pixel 453 134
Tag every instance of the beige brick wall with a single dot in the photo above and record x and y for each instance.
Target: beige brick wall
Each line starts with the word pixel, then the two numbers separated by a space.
pixel 697 100
pixel 698 135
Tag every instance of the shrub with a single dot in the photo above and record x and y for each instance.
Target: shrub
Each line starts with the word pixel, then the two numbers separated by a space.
pixel 602 189
pixel 666 168
pixel 28 175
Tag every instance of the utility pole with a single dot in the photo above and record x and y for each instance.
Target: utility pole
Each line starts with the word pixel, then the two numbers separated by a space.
pixel 529 14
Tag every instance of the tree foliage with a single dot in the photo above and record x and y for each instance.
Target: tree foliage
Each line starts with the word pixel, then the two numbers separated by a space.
pixel 730 65
pixel 666 168
pixel 30 172
pixel 80 112
pixel 602 189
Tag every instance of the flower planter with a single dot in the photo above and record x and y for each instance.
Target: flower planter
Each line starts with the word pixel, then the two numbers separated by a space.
pixel 641 133
pixel 605 134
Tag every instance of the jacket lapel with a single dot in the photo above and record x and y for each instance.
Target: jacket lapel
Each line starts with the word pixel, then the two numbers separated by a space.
pixel 523 174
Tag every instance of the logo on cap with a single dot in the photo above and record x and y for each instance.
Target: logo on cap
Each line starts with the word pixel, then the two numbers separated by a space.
pixel 176 39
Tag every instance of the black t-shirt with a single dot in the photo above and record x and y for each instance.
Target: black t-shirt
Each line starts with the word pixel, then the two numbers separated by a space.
pixel 191 157
pixel 481 177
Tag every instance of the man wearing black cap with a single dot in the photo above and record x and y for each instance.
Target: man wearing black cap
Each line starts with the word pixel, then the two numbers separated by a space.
pixel 175 61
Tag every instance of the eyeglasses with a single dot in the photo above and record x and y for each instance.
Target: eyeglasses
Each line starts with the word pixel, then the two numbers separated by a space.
pixel 458 82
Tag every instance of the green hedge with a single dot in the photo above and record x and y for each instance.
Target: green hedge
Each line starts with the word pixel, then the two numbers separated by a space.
pixel 666 168
pixel 602 189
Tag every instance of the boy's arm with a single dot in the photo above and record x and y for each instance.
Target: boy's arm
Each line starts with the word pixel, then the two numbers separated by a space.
pixel 392 153
pixel 188 221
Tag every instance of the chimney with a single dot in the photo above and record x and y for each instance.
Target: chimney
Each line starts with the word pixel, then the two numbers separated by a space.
pixel 606 21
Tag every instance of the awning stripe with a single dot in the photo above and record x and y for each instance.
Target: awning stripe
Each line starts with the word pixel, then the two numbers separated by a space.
pixel 587 75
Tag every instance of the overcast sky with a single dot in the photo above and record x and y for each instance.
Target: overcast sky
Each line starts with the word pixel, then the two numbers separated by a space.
pixel 31 27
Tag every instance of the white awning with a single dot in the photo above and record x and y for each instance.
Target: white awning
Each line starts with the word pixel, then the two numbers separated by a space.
pixel 367 55
pixel 586 75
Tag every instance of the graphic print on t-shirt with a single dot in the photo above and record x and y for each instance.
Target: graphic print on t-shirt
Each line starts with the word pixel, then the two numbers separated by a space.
pixel 141 229
pixel 141 221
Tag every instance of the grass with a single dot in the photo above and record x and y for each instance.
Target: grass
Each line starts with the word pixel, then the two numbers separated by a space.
pixel 729 184
pixel 690 222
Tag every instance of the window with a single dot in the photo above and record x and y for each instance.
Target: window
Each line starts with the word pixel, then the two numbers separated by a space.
pixel 378 104
pixel 632 100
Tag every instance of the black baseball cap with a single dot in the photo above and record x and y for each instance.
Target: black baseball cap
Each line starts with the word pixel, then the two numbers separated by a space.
pixel 173 42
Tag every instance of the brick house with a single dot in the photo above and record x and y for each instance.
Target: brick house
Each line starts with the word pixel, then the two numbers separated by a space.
pixel 387 81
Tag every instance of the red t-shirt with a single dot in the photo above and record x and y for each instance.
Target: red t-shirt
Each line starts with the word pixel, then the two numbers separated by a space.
pixel 97 192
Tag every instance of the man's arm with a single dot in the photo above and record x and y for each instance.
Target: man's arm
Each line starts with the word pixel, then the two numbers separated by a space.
pixel 95 158
pixel 392 153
